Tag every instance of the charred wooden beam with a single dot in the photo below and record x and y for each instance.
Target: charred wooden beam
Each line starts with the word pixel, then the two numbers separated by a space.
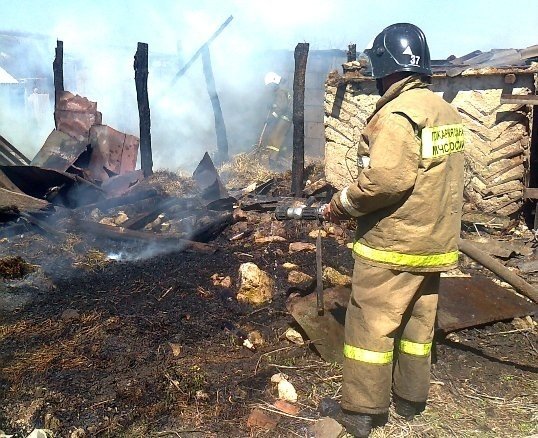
pixel 141 81
pixel 208 228
pixel 220 127
pixel 141 220
pixel 352 52
pixel 124 234
pixel 499 269
pixel 58 71
pixel 200 50
pixel 297 166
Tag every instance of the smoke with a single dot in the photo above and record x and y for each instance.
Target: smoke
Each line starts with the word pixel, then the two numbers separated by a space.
pixel 100 39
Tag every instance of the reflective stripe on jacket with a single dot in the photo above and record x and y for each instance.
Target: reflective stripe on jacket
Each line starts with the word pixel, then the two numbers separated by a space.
pixel 408 200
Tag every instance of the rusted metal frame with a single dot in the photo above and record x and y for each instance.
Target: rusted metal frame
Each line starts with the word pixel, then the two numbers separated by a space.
pixel 220 127
pixel 297 166
pixel 141 82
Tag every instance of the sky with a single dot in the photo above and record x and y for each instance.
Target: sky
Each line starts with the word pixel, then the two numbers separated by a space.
pixel 452 27
pixel 182 123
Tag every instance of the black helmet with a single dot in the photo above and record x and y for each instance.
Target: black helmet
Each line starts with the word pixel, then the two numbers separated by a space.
pixel 399 47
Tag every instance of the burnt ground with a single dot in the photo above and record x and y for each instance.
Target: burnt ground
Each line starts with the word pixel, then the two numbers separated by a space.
pixel 153 348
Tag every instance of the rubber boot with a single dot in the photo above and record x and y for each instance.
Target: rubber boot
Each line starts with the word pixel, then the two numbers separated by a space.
pixel 356 424
pixel 406 408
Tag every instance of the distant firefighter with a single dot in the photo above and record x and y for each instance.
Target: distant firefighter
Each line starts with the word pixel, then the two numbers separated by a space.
pixel 278 121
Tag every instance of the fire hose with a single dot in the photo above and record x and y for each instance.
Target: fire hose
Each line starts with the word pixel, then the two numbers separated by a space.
pixel 308 213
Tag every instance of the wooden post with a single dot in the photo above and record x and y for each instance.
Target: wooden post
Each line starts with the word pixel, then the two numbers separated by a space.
pixel 297 165
pixel 141 82
pixel 220 127
pixel 352 52
pixel 58 72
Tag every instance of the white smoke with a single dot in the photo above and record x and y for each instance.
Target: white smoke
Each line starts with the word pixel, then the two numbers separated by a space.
pixel 100 38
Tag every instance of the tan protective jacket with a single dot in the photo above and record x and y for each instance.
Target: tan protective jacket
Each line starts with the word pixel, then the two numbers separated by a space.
pixel 408 198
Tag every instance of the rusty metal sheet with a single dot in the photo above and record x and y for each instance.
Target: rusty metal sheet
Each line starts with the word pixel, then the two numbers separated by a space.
pixel 463 302
pixel 120 184
pixel 113 152
pixel 21 201
pixel 48 183
pixel 326 331
pixel 59 152
pixel 472 301
pixel 208 180
pixel 75 115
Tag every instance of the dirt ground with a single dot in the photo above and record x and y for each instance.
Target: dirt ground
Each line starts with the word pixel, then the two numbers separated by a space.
pixel 153 348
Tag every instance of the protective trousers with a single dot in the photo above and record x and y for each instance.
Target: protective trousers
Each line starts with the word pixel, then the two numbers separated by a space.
pixel 388 336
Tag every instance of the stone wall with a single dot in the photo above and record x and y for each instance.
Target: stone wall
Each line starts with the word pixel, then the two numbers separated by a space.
pixel 497 136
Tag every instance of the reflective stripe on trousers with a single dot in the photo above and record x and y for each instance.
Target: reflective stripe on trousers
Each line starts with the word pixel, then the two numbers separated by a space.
pixel 382 358
pixel 414 260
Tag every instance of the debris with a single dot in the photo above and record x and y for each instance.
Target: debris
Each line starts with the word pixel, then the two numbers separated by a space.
pixel 120 218
pixel 286 391
pixel 256 287
pixel 334 278
pixel 175 348
pixel 12 268
pixel 525 323
pixel 256 338
pixel 78 433
pixel 70 315
pixel 326 427
pixel 286 407
pixel 219 280
pixel 269 239
pixel 289 266
pixel 248 344
pixel 208 180
pixel 40 433
pixel 300 279
pixel 294 336
pixel 75 115
pixel 51 422
pixel 201 396
pixel 60 151
pixel 528 267
pixel 314 233
pixel 260 418
pixel 499 269
pixel 301 246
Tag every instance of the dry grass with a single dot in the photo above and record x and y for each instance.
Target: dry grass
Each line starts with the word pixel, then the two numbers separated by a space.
pixel 93 260
pixel 243 170
pixel 454 409
pixel 178 183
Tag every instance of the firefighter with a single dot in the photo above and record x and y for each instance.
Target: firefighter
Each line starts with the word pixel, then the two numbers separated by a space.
pixel 407 202
pixel 278 120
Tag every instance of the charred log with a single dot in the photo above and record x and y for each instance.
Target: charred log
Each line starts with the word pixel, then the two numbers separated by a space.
pixel 141 81
pixel 297 166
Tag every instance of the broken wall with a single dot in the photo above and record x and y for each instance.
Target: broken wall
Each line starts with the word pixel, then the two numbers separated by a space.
pixel 497 136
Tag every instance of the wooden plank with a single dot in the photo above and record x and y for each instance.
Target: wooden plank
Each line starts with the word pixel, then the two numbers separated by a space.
pixel 530 193
pixel 522 99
